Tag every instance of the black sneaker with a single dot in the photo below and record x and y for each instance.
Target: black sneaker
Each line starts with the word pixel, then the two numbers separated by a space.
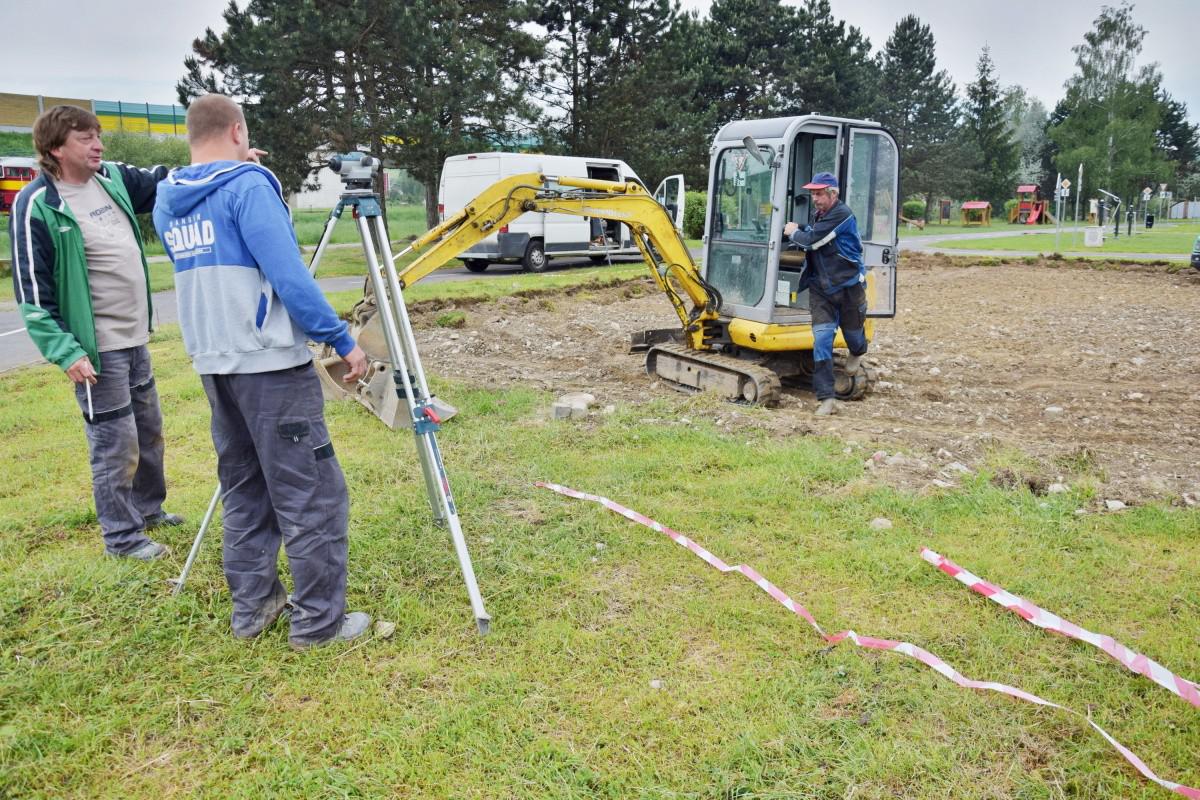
pixel 163 519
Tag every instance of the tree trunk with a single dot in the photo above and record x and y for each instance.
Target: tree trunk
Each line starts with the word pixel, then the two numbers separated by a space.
pixel 431 204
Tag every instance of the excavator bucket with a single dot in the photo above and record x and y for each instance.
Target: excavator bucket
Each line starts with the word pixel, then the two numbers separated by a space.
pixel 376 390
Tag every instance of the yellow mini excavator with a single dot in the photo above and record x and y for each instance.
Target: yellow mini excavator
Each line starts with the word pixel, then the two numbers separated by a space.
pixel 744 324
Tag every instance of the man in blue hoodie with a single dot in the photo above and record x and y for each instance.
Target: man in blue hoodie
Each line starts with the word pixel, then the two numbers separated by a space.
pixel 836 278
pixel 247 306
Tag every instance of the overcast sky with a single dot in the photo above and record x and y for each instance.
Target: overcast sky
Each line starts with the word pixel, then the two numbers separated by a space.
pixel 133 49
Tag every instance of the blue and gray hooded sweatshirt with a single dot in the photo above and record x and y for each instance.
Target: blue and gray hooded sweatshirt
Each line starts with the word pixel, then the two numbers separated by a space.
pixel 246 300
pixel 835 252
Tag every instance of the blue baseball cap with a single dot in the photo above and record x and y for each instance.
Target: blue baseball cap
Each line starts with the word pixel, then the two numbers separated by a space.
pixel 823 180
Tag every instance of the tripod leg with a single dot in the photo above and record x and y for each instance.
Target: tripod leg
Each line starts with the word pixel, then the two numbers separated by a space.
pixel 326 236
pixel 403 351
pixel 187 566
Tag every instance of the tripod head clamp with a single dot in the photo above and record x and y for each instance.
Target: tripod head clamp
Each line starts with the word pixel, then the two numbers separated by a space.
pixel 356 170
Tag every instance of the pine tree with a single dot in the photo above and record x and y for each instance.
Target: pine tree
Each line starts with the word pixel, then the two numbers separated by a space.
pixel 827 67
pixel 918 105
pixel 1177 137
pixel 412 80
pixel 749 41
pixel 988 129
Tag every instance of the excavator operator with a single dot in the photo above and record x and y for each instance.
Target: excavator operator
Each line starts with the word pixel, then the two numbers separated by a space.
pixel 836 279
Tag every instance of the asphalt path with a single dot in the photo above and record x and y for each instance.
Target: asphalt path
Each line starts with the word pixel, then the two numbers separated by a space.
pixel 18 350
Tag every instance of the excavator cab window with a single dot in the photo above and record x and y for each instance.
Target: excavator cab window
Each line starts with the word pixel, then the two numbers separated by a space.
pixel 741 224
pixel 812 153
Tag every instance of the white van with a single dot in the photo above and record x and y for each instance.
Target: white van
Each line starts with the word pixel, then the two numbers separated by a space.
pixel 533 239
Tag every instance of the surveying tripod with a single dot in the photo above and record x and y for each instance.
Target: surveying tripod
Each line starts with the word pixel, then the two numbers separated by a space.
pixel 356 171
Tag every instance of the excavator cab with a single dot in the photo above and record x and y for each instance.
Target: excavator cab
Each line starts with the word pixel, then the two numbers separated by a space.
pixel 758 171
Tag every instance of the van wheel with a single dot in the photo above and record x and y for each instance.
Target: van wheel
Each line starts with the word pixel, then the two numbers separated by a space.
pixel 598 259
pixel 476 264
pixel 535 257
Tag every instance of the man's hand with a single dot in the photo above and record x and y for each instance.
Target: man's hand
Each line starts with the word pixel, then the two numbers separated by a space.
pixel 256 155
pixel 357 360
pixel 82 371
pixel 789 229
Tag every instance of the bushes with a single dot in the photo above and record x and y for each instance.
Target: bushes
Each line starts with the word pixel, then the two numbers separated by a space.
pixel 694 204
pixel 141 150
pixel 913 209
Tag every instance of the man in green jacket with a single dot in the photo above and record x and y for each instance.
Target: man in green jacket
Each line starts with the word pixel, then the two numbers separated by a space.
pixel 81 282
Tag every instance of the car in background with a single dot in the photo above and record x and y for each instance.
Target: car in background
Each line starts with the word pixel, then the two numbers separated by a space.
pixel 1196 254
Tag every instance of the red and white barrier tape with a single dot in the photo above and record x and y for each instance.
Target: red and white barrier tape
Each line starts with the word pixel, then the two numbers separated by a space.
pixel 911 650
pixel 1135 662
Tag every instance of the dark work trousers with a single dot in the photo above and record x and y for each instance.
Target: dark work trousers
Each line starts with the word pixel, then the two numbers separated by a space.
pixel 125 445
pixel 280 480
pixel 846 308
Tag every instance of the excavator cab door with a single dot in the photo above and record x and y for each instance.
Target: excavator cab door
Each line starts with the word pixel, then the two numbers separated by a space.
pixel 872 178
pixel 670 194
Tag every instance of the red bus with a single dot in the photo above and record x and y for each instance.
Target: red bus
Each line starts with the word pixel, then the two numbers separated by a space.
pixel 15 172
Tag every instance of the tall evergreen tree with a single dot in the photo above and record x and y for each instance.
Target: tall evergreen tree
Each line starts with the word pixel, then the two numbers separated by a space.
pixel 594 73
pixel 1178 138
pixel 827 66
pixel 749 40
pixel 917 103
pixel 413 80
pixel 987 126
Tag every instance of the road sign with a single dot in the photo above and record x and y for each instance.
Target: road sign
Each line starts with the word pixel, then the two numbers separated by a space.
pixel 1147 192
pixel 1066 184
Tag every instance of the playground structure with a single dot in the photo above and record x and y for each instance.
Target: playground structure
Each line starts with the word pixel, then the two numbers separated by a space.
pixel 1031 207
pixel 976 212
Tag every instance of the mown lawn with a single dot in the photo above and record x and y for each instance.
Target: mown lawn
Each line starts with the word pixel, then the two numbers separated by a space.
pixel 619 665
pixel 1176 237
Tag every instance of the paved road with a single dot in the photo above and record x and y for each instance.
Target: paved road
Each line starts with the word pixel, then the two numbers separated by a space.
pixel 18 350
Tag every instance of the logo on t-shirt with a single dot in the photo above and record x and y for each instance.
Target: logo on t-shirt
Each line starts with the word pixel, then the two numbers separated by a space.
pixel 188 237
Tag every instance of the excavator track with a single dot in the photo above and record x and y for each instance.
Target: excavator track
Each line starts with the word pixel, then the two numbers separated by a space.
pixel 733 378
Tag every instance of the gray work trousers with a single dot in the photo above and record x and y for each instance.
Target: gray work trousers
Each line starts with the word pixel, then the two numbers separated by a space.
pixel 125 447
pixel 280 480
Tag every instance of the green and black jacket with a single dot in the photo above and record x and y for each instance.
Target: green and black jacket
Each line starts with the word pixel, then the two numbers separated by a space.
pixel 50 272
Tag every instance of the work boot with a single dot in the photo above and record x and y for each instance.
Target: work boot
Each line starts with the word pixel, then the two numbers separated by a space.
pixel 827 408
pixel 163 519
pixel 854 362
pixel 265 617
pixel 150 551
pixel 353 625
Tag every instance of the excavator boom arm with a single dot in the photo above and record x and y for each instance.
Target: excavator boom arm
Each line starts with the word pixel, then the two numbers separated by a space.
pixel 664 251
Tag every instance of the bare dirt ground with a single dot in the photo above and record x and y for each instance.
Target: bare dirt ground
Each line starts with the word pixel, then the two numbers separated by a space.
pixel 1068 372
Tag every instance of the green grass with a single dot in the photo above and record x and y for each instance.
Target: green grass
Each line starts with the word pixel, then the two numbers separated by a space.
pixel 1176 237
pixel 112 688
pixel 13 143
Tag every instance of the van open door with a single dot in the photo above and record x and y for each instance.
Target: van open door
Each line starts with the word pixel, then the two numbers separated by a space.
pixel 669 195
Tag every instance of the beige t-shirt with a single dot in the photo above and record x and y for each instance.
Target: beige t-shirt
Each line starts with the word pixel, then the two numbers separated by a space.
pixel 115 274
